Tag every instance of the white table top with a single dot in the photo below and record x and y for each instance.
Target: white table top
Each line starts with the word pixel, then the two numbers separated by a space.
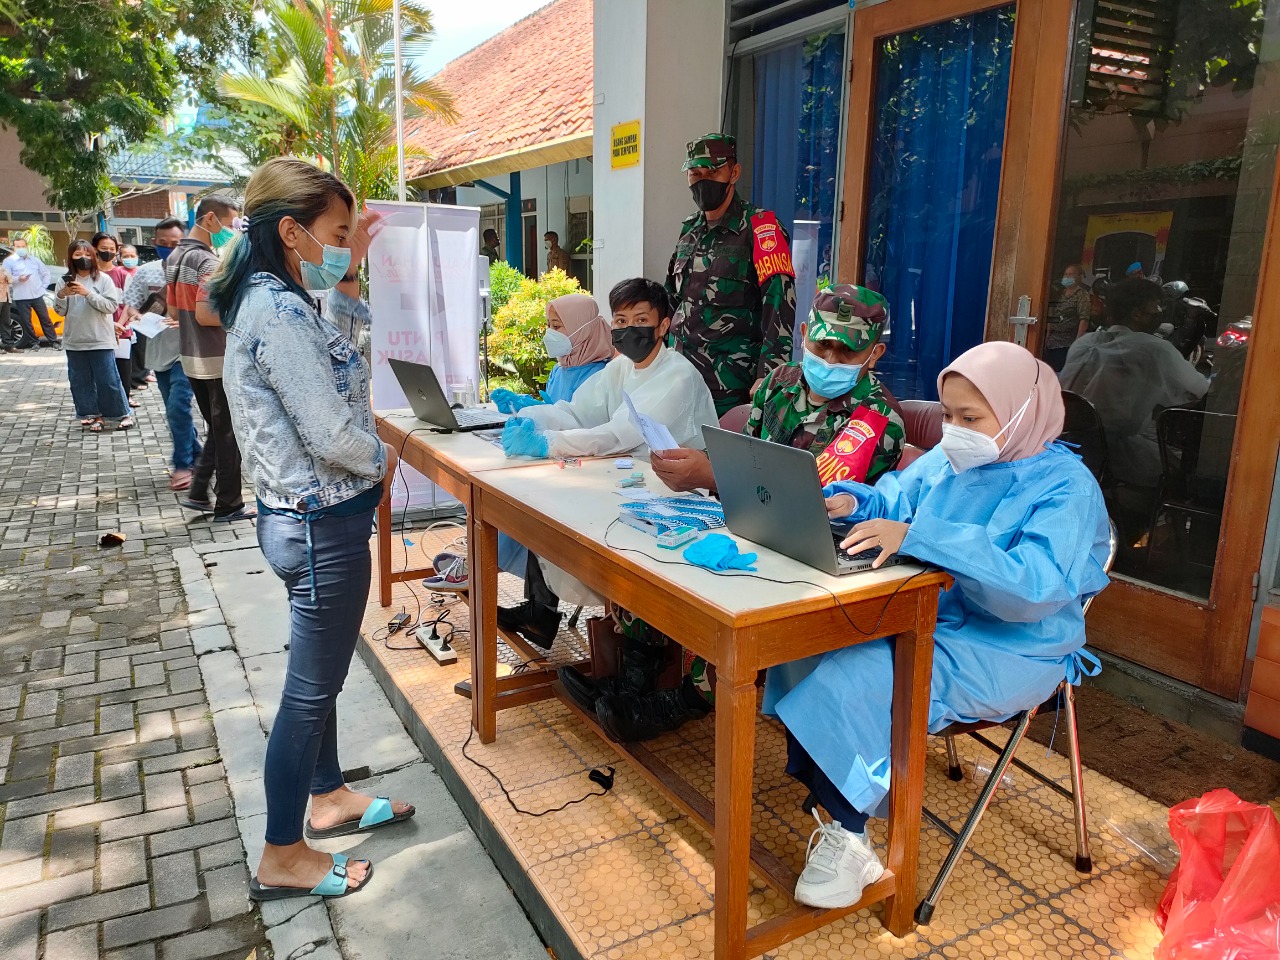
pixel 465 451
pixel 586 500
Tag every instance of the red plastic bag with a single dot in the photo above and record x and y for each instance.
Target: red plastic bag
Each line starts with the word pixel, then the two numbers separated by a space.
pixel 1223 900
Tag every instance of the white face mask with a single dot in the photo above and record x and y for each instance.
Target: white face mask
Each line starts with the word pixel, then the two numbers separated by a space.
pixel 966 448
pixel 546 244
pixel 556 343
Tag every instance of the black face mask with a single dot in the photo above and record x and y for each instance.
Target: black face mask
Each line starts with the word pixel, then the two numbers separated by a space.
pixel 709 194
pixel 82 263
pixel 635 343
pixel 106 256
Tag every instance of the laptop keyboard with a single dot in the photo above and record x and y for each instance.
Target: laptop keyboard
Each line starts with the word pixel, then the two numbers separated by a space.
pixel 844 556
pixel 471 418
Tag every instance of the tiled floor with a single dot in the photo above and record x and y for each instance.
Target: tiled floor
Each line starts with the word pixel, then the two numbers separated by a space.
pixel 629 877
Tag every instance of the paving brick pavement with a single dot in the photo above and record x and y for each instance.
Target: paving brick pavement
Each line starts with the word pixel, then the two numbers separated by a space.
pixel 116 832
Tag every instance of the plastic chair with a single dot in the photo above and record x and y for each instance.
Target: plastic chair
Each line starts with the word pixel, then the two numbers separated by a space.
pixel 1195 457
pixel 1083 427
pixel 736 418
pixel 923 422
pixel 1063 697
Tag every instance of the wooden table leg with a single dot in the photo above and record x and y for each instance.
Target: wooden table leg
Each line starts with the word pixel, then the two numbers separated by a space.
pixel 384 550
pixel 482 539
pixel 735 773
pixel 912 675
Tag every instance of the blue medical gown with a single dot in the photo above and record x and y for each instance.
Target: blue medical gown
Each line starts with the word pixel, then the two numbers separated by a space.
pixel 562 383
pixel 1026 542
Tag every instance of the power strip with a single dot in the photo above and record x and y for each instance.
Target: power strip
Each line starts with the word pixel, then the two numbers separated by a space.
pixel 436 647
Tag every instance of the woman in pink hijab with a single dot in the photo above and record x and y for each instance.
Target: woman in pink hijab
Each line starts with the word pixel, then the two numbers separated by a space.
pixel 578 338
pixel 1019 522
pixel 575 326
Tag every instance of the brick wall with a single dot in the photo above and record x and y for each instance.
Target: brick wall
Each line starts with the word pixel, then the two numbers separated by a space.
pixel 145 206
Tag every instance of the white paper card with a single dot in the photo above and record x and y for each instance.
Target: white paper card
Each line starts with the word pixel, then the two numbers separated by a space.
pixel 149 324
pixel 656 435
pixel 123 349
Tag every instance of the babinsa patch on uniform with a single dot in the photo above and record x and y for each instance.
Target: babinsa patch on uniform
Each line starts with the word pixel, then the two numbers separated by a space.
pixel 770 252
pixel 850 454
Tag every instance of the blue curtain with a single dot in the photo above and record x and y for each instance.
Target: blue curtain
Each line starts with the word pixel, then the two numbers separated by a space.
pixel 798 94
pixel 941 96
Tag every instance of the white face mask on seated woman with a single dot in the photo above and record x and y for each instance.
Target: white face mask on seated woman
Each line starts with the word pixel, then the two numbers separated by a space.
pixel 967 448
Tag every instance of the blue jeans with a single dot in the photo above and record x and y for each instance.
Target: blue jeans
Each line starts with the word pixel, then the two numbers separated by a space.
pixel 324 624
pixel 95 384
pixel 176 390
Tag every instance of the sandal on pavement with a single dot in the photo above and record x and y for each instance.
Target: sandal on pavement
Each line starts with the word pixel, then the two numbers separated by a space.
pixel 90 421
pixel 180 480
pixel 379 814
pixel 333 885
pixel 95 427
pixel 125 423
pixel 190 503
pixel 244 513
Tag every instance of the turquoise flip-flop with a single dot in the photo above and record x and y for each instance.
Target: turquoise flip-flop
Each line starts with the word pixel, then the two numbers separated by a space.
pixel 379 814
pixel 333 885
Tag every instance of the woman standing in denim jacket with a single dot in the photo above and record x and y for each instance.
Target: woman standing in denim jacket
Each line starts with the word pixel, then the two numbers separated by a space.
pixel 299 396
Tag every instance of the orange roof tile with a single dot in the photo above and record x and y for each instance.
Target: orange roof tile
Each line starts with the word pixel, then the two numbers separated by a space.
pixel 527 86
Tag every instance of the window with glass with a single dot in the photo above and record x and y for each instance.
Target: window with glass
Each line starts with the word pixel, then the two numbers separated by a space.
pixel 1168 164
pixel 789 102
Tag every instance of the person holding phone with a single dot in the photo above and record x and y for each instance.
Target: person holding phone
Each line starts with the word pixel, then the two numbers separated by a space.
pixel 87 301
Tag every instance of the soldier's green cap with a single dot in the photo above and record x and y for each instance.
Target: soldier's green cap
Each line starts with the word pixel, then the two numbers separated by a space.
pixel 711 151
pixel 850 314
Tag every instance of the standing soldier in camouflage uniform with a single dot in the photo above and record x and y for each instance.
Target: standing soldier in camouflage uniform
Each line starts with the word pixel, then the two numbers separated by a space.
pixel 829 403
pixel 730 279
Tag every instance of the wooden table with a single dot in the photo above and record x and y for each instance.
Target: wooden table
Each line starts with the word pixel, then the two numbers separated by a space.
pixel 448 460
pixel 451 461
pixel 742 625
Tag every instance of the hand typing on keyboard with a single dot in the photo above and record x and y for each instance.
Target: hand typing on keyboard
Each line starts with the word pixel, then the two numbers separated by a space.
pixel 883 535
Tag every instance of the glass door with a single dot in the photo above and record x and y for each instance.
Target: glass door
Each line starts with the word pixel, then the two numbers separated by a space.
pixel 949 101
pixel 1167 172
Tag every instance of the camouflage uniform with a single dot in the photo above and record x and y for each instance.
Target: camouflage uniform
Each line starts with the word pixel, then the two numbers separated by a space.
pixel 783 412
pixel 732 285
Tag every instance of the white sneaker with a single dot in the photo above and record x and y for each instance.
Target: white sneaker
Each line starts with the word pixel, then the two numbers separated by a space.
pixel 451 574
pixel 838 869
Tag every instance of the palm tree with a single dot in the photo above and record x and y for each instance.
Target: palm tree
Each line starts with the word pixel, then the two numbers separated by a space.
pixel 326 79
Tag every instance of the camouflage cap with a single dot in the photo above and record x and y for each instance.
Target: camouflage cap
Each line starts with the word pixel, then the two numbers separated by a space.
pixel 850 314
pixel 711 151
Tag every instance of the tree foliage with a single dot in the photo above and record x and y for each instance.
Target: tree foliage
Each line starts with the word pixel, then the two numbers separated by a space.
pixel 74 70
pixel 321 86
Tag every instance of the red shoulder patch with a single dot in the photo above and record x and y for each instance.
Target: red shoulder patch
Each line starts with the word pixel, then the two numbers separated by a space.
pixel 770 251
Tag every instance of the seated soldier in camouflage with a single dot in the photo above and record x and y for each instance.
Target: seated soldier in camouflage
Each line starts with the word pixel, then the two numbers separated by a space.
pixel 829 403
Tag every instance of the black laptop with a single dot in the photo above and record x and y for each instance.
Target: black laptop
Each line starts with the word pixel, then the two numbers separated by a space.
pixel 422 390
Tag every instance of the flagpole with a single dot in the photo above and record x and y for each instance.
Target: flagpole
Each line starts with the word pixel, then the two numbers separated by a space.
pixel 400 185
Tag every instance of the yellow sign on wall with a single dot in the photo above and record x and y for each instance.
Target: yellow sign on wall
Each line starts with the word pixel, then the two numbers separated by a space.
pixel 626 144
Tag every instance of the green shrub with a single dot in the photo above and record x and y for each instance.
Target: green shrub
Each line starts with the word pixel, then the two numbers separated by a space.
pixel 504 280
pixel 515 346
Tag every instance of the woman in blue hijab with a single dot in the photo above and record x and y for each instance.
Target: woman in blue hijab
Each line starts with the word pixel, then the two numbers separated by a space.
pixel 1019 522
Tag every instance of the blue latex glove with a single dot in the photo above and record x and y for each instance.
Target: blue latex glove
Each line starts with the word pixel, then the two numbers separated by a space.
pixel 522 438
pixel 508 401
pixel 715 551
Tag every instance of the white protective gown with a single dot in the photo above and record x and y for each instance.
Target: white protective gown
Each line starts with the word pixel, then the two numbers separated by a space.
pixel 1126 376
pixel 596 422
pixel 1026 542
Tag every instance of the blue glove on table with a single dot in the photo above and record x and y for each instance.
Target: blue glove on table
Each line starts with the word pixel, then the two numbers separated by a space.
pixel 508 401
pixel 715 551
pixel 522 438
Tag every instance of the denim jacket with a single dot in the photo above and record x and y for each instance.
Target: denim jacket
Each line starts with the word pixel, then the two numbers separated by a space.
pixel 299 396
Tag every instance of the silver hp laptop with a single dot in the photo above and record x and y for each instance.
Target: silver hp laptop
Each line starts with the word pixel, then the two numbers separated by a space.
pixel 422 389
pixel 772 496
